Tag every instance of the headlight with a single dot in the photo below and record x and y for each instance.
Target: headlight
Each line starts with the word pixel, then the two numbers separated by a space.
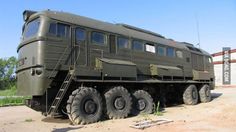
pixel 25 17
pixel 27 14
pixel 39 71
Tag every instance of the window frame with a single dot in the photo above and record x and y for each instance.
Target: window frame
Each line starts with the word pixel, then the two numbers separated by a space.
pixel 49 29
pixel 122 37
pixel 210 61
pixel 67 30
pixel 97 43
pixel 161 46
pixel 151 44
pixel 67 33
pixel 132 45
pixel 172 52
pixel 26 27
pixel 85 34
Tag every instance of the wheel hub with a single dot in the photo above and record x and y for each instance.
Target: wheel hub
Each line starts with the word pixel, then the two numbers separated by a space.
pixel 90 107
pixel 119 103
pixel 141 105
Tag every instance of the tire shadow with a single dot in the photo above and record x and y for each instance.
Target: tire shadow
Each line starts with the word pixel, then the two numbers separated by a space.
pixel 67 129
pixel 215 96
pixel 56 120
pixel 180 103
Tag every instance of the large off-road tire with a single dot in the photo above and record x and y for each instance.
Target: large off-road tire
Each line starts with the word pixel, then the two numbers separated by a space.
pixel 142 102
pixel 118 102
pixel 190 95
pixel 84 106
pixel 205 94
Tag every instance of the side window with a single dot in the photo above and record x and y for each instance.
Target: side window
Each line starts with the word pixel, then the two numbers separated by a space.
pixel 98 38
pixel 137 45
pixel 161 50
pixel 209 60
pixel 59 30
pixel 62 30
pixel 170 52
pixel 179 54
pixel 80 34
pixel 53 28
pixel 150 48
pixel 112 42
pixel 123 43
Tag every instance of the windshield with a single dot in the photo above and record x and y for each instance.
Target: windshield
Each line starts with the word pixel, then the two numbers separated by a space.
pixel 31 29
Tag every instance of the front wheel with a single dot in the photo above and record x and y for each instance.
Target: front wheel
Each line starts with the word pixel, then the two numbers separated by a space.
pixel 85 106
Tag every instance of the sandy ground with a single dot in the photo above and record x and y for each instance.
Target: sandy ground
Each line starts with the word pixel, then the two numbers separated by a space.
pixel 217 115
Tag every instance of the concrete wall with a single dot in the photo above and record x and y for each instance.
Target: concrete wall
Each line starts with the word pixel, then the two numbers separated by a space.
pixel 218 65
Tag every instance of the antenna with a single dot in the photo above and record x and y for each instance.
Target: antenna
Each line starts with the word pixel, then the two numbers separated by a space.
pixel 198 34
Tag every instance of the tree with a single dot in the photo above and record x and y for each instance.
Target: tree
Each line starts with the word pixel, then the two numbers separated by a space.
pixel 7 72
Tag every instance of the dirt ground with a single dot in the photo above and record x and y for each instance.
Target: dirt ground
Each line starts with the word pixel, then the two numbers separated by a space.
pixel 217 115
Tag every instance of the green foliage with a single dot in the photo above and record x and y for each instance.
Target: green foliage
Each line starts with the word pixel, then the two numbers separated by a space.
pixel 157 110
pixel 29 120
pixel 145 116
pixel 10 98
pixel 8 92
pixel 9 101
pixel 7 71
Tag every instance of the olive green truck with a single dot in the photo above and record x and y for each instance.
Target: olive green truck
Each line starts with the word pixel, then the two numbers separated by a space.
pixel 87 69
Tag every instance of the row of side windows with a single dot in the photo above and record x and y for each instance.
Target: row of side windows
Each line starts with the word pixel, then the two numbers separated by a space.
pixel 63 30
pixel 141 46
pixel 123 43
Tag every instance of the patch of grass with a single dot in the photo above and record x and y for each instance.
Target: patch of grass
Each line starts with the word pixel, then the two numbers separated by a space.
pixel 10 101
pixel 8 92
pixel 9 97
pixel 157 110
pixel 145 116
pixel 29 120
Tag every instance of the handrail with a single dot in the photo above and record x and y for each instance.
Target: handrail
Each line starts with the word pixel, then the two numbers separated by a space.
pixel 72 73
pixel 77 55
pixel 54 69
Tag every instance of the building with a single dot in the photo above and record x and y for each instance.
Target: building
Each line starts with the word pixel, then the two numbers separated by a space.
pixel 223 61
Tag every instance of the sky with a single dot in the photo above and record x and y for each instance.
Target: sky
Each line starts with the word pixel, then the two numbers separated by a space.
pixel 175 19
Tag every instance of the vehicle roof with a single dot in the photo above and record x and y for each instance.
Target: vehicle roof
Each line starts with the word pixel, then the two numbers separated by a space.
pixel 122 29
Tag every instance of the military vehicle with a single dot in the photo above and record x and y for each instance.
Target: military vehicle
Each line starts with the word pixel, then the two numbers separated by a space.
pixel 88 69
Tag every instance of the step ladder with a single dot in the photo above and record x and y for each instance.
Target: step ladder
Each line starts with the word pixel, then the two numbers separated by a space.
pixel 61 92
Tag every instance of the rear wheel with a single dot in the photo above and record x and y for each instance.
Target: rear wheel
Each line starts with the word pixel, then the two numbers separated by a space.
pixel 84 106
pixel 118 102
pixel 190 95
pixel 205 94
pixel 143 102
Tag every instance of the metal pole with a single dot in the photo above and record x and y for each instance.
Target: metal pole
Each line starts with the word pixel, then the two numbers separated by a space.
pixel 46 101
pixel 198 34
